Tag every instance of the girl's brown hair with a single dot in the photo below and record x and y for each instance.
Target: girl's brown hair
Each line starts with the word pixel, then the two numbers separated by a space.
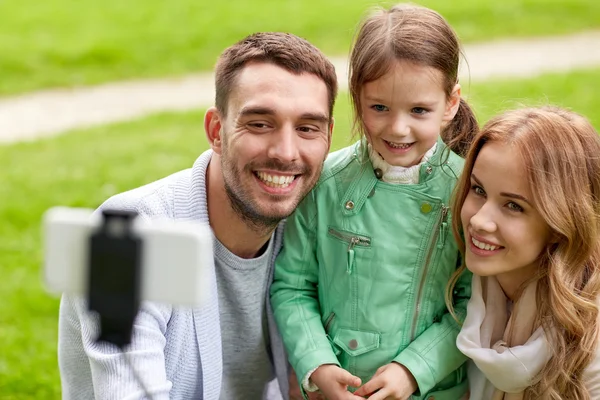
pixel 416 34
pixel 561 154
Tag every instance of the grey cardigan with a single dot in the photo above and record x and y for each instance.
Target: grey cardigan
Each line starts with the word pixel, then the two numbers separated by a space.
pixel 177 351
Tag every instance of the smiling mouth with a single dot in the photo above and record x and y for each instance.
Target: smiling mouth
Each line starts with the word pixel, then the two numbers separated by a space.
pixel 398 145
pixel 275 181
pixel 484 246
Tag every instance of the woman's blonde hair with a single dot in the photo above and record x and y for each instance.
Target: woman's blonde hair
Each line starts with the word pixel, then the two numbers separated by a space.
pixel 561 153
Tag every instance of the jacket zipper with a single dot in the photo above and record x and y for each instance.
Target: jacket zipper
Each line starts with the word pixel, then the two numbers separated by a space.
pixel 440 228
pixel 328 322
pixel 352 240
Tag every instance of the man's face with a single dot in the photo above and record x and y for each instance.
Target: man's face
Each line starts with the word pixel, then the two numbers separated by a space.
pixel 275 138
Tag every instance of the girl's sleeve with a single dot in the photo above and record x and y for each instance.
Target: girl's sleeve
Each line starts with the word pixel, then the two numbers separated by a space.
pixel 294 294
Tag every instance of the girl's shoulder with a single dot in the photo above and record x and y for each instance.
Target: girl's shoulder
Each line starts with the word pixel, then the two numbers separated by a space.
pixel 350 157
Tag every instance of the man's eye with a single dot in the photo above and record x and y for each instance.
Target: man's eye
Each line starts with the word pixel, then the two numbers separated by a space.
pixel 307 129
pixel 258 125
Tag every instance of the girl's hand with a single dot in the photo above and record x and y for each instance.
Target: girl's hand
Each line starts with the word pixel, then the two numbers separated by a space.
pixel 333 382
pixel 391 382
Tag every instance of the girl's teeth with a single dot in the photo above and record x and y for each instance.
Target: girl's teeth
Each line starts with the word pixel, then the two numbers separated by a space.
pixel 399 145
pixel 276 181
pixel 483 246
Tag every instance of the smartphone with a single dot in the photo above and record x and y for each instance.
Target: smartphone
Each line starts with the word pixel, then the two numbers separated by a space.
pixel 177 256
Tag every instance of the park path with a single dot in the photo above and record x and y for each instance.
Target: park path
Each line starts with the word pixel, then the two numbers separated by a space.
pixel 52 112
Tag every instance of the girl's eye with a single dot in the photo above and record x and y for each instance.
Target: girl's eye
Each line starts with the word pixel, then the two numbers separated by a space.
pixel 514 207
pixel 419 110
pixel 379 107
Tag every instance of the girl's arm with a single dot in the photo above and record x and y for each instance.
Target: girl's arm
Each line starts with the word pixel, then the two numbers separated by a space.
pixel 433 355
pixel 294 294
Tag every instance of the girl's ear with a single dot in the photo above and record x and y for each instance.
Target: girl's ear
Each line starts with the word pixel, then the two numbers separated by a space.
pixel 452 104
pixel 213 123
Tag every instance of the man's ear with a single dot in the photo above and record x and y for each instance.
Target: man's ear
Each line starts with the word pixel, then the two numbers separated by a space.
pixel 213 123
pixel 452 104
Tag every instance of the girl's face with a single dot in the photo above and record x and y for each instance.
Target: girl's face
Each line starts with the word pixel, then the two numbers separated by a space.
pixel 405 110
pixel 504 233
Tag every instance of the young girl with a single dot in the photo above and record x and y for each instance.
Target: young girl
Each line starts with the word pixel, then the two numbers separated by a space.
pixel 359 286
pixel 528 209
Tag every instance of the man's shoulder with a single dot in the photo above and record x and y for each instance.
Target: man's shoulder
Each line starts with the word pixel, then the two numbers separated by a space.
pixel 152 199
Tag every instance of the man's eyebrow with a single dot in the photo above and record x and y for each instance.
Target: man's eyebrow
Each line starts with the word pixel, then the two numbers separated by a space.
pixel 505 194
pixel 317 117
pixel 260 110
pixel 256 111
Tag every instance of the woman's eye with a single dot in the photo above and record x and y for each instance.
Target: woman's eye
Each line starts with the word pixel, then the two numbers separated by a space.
pixel 478 190
pixel 514 207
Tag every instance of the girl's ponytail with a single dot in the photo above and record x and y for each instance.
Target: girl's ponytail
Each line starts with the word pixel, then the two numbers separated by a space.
pixel 461 131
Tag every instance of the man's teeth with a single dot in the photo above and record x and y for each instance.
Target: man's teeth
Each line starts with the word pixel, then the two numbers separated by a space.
pixel 276 181
pixel 399 145
pixel 483 246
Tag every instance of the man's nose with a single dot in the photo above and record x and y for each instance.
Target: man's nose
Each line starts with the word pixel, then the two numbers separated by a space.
pixel 285 145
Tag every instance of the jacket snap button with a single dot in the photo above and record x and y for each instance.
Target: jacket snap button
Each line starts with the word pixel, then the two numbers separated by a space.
pixel 378 173
pixel 429 170
pixel 426 208
pixel 349 205
pixel 353 344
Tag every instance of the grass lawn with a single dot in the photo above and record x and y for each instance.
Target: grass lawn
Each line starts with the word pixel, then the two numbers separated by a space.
pixel 67 43
pixel 84 168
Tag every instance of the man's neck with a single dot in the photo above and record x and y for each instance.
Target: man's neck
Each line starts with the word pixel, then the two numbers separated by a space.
pixel 236 234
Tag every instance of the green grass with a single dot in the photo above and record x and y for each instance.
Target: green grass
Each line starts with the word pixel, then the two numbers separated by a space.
pixel 59 43
pixel 84 168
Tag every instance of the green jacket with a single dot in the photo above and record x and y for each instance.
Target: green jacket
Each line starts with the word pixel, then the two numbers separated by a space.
pixel 361 279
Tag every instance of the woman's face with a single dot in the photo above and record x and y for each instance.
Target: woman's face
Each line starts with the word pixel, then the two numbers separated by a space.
pixel 504 232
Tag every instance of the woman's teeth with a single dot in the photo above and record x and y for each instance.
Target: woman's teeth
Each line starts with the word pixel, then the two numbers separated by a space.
pixel 276 181
pixel 483 246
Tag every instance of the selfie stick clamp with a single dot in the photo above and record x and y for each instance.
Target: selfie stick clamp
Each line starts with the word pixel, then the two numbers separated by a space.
pixel 115 276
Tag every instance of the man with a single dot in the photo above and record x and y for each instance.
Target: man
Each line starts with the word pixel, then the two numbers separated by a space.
pixel 269 133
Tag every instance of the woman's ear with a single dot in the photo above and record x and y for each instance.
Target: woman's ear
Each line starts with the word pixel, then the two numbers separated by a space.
pixel 452 104
pixel 213 123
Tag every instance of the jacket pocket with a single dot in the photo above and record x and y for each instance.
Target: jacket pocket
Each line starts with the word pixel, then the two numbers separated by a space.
pixel 352 240
pixel 355 342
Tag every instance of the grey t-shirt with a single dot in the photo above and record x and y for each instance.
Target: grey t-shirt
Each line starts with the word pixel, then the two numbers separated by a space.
pixel 242 285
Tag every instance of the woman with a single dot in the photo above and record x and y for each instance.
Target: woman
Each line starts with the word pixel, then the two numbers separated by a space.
pixel 527 221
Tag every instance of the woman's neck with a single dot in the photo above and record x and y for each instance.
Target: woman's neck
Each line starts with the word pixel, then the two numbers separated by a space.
pixel 512 282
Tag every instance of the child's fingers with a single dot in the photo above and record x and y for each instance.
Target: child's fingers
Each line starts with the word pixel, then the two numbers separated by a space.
pixel 369 387
pixel 346 378
pixel 380 395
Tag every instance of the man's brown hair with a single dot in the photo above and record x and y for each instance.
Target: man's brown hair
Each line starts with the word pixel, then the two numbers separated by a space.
pixel 285 50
